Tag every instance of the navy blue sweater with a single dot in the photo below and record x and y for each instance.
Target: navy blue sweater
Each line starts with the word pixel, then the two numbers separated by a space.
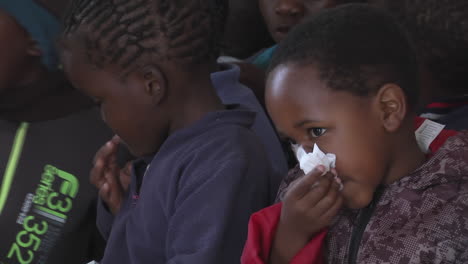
pixel 196 196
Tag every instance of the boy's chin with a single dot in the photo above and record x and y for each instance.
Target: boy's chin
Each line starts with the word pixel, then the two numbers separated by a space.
pixel 359 199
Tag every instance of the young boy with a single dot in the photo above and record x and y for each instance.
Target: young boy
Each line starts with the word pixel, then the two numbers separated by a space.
pixel 48 134
pixel 202 171
pixel 346 80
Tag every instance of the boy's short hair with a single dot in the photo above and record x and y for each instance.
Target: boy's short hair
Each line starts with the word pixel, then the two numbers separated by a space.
pixel 355 48
pixel 124 32
pixel 440 31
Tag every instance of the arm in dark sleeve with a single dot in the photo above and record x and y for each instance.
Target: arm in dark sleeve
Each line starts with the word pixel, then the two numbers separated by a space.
pixel 212 210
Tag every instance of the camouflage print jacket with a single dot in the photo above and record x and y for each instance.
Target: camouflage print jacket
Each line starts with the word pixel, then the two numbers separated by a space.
pixel 422 218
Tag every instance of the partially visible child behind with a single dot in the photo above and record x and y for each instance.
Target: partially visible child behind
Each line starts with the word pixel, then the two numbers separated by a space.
pixel 281 16
pixel 49 133
pixel 347 80
pixel 440 31
pixel 202 171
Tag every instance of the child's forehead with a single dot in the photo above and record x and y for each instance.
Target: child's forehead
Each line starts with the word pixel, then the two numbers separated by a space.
pixel 304 84
pixel 293 72
pixel 295 81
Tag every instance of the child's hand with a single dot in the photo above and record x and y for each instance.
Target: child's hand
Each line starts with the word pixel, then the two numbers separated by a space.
pixel 308 207
pixel 106 175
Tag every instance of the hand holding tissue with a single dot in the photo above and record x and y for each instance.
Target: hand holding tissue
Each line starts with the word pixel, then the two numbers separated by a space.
pixel 308 161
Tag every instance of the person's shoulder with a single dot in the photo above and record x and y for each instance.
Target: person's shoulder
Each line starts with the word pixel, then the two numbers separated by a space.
pixel 450 162
pixel 232 138
pixel 455 151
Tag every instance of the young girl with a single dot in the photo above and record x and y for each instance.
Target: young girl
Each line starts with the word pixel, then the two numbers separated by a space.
pixel 201 171
pixel 346 80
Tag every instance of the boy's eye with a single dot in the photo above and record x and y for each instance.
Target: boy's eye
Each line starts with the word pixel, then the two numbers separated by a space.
pixel 317 132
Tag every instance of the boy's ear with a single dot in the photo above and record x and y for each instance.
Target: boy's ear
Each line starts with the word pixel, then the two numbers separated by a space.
pixel 392 106
pixel 33 48
pixel 155 83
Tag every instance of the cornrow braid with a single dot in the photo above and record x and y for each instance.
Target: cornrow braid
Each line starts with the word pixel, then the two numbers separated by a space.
pixel 126 32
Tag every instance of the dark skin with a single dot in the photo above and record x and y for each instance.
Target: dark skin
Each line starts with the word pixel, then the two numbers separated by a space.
pixel 28 91
pixel 372 137
pixel 282 15
pixel 143 108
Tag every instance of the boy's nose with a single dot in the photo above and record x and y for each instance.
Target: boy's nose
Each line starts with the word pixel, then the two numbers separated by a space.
pixel 293 8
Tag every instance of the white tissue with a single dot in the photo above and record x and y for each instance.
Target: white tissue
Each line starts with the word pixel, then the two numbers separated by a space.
pixel 308 161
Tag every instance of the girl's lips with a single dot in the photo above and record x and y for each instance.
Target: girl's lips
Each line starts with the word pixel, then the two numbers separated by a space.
pixel 282 31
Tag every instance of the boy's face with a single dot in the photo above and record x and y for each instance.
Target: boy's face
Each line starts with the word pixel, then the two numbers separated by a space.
pixel 305 110
pixel 124 104
pixel 14 43
pixel 282 15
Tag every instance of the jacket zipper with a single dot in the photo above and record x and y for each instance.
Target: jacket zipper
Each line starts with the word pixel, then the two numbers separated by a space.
pixel 362 221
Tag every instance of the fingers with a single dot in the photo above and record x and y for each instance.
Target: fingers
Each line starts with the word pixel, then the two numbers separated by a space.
pixel 110 198
pixel 329 199
pixel 125 176
pixel 116 139
pixel 303 186
pixel 109 149
pixel 113 192
pixel 318 191
pixel 322 200
pixel 105 158
pixel 332 211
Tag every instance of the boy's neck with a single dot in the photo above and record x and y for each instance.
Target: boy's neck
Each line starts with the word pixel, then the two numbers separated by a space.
pixel 407 156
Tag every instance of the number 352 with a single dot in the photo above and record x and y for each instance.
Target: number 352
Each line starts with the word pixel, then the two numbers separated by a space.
pixel 27 240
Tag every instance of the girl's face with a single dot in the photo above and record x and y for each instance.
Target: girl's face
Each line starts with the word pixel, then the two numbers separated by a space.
pixel 306 111
pixel 14 44
pixel 125 105
pixel 282 15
